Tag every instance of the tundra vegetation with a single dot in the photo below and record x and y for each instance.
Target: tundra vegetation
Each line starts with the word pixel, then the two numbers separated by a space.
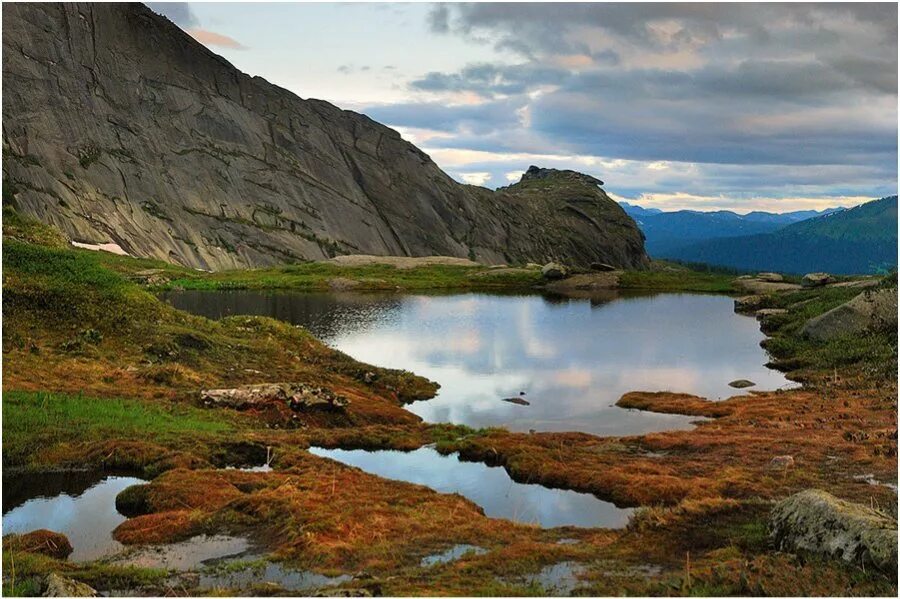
pixel 100 374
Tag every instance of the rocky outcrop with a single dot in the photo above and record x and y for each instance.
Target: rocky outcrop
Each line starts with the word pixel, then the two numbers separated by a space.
pixel 297 396
pixel 120 128
pixel 816 522
pixel 871 310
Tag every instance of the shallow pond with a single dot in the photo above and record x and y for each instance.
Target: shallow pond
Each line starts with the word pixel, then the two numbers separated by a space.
pixel 81 505
pixel 491 488
pixel 570 360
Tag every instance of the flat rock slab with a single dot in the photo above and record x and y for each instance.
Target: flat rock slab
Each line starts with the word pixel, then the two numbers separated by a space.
pixel 817 522
pixel 296 395
pixel 517 400
pixel 762 287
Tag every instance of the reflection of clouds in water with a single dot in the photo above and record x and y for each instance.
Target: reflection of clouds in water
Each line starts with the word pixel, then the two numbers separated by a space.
pixel 574 358
pixel 87 519
pixel 491 488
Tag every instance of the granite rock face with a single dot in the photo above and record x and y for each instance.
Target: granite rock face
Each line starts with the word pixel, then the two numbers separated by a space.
pixel 120 128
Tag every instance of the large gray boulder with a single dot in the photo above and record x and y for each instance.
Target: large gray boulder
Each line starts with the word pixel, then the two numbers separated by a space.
pixel 816 279
pixel 554 271
pixel 817 522
pixel 871 310
pixel 121 128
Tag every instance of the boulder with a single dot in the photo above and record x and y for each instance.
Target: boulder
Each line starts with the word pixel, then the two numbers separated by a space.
pixel 298 396
pixel 56 585
pixel 871 310
pixel 43 541
pixel 741 384
pixel 602 267
pixel 816 279
pixel 817 522
pixel 749 303
pixel 770 277
pixel 554 271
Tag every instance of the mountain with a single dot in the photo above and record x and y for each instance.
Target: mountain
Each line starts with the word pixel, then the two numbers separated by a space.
pixel 120 128
pixel 667 232
pixel 859 240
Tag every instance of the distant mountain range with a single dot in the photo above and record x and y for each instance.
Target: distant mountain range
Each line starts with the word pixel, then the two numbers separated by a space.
pixel 667 233
pixel 862 239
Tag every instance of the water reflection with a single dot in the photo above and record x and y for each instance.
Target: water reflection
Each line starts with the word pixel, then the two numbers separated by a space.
pixel 491 488
pixel 573 359
pixel 77 504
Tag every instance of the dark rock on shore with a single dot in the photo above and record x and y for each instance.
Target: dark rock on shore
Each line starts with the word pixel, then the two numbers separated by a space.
pixel 741 384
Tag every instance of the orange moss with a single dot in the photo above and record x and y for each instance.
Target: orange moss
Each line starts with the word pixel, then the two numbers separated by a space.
pixel 163 527
pixel 665 402
pixel 43 541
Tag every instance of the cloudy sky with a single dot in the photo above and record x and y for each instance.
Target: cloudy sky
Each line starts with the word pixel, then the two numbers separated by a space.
pixel 705 106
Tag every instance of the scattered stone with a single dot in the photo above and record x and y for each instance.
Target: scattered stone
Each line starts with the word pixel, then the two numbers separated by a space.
pixel 517 400
pixel 297 395
pixel 741 384
pixel 770 277
pixel 871 310
pixel 43 541
pixel 816 279
pixel 782 461
pixel 370 377
pixel 817 522
pixel 602 267
pixel 554 271
pixel 57 585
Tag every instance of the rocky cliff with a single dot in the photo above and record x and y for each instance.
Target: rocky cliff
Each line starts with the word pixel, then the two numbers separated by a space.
pixel 119 127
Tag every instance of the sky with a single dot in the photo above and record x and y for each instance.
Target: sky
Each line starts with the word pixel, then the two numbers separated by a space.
pixel 739 107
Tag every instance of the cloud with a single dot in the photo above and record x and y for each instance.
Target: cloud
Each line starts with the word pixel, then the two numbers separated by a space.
pixel 179 13
pixel 716 104
pixel 475 178
pixel 211 38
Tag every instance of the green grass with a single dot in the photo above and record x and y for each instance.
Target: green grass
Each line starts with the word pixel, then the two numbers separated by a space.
pixel 875 353
pixel 38 419
pixel 318 276
pixel 681 279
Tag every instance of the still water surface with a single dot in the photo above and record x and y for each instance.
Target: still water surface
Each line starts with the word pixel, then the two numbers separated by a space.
pixel 570 359
pixel 491 488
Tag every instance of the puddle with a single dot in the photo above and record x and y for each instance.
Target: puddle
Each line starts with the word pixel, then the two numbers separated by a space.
pixel 185 555
pixel 230 575
pixel 490 488
pixel 452 554
pixel 80 505
pixel 557 579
